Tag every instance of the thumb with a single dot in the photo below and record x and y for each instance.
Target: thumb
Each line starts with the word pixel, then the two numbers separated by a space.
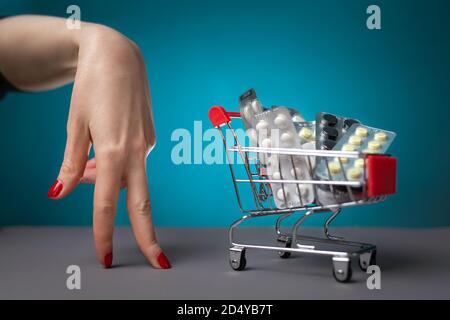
pixel 72 168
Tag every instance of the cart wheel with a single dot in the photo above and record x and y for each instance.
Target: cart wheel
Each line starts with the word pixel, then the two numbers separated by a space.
pixel 237 259
pixel 286 244
pixel 342 270
pixel 367 259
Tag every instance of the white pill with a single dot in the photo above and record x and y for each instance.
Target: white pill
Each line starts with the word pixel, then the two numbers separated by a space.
pixel 276 175
pixel 262 125
pixel 281 121
pixel 253 136
pixel 297 118
pixel 266 143
pixel 287 138
pixel 256 106
pixel 281 193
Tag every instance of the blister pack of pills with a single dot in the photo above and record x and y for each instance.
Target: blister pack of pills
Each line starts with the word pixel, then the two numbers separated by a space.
pixel 306 131
pixel 330 128
pixel 249 106
pixel 276 129
pixel 363 139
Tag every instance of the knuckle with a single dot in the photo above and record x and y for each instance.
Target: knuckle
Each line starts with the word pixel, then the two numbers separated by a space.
pixel 141 208
pixel 112 152
pixel 139 146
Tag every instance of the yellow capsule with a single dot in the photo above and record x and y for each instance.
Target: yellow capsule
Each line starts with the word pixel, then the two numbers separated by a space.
pixel 369 151
pixel 305 133
pixel 355 140
pixel 359 163
pixel 334 167
pixel 348 147
pixel 381 136
pixel 374 145
pixel 353 174
pixel 361 132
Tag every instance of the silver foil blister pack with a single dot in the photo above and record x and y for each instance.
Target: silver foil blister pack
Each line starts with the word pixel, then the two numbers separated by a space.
pixel 276 129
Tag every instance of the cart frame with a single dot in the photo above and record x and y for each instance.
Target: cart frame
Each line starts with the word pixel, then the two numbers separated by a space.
pixel 340 250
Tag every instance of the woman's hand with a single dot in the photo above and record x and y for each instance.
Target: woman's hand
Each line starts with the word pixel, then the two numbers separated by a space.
pixel 111 110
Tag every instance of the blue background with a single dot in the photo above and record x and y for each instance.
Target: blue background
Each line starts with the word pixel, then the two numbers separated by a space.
pixel 312 55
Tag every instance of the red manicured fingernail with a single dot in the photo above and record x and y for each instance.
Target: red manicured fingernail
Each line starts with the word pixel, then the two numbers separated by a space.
pixel 108 260
pixel 55 189
pixel 163 261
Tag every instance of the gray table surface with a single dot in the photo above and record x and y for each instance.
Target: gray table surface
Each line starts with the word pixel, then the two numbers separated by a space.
pixel 415 263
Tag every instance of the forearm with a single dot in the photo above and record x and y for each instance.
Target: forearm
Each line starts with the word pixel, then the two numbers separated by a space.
pixel 39 52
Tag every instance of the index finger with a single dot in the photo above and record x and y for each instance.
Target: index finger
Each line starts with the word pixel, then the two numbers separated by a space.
pixel 139 209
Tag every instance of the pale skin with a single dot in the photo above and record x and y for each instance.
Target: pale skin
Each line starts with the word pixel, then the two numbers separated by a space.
pixel 110 110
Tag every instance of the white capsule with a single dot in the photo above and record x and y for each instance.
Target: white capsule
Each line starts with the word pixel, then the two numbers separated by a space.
pixel 276 175
pixel 266 143
pixel 281 121
pixel 281 193
pixel 287 138
pixel 297 118
pixel 253 136
pixel 262 125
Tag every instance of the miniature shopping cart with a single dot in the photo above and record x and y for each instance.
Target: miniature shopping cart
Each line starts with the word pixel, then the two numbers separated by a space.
pixel 379 182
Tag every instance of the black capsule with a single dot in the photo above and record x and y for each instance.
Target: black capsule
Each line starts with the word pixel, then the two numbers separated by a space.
pixel 349 122
pixel 328 145
pixel 329 120
pixel 330 133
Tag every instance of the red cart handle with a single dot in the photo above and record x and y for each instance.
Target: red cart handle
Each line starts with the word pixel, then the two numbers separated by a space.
pixel 219 116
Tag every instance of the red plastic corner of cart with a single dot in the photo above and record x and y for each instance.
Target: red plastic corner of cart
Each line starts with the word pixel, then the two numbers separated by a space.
pixel 381 175
pixel 218 116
